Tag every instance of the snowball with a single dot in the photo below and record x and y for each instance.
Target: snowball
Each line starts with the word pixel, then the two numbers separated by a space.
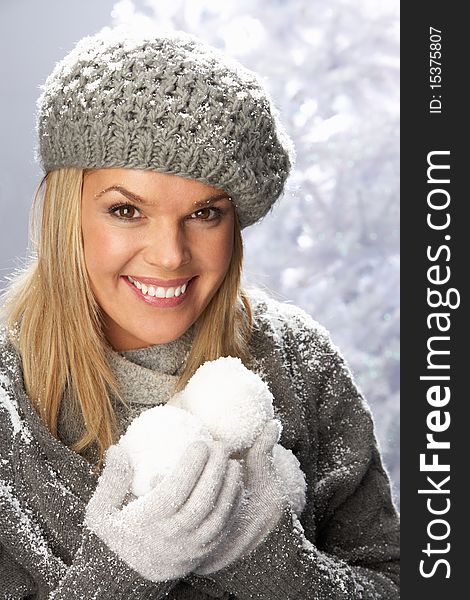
pixel 223 401
pixel 231 401
pixel 288 469
pixel 156 440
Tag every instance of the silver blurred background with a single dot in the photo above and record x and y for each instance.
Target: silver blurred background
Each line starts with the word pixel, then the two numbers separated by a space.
pixel 332 243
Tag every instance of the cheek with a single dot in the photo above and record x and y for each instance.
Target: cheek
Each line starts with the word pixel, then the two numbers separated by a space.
pixel 105 249
pixel 216 251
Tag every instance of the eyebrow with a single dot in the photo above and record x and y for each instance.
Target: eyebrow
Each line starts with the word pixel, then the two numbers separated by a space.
pixel 134 197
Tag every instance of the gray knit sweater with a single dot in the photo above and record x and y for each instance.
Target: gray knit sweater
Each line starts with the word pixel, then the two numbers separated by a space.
pixel 345 546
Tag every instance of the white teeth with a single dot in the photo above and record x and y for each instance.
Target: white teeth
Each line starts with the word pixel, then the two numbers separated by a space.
pixel 137 284
pixel 158 292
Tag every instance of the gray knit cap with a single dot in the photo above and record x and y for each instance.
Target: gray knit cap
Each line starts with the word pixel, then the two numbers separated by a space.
pixel 169 104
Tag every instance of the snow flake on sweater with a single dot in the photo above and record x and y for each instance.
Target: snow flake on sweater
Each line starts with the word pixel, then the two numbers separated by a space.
pixel 8 404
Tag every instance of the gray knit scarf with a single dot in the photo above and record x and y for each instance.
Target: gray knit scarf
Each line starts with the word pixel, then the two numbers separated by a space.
pixel 146 377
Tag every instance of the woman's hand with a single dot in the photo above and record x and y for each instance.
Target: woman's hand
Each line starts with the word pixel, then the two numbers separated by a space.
pixel 166 533
pixel 262 506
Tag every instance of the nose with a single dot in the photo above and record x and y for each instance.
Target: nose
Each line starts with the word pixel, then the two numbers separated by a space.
pixel 166 247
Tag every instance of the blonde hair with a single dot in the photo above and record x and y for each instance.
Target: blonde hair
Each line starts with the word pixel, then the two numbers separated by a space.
pixel 56 325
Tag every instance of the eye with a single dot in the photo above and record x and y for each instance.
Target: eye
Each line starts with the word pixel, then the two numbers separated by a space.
pixel 206 214
pixel 127 212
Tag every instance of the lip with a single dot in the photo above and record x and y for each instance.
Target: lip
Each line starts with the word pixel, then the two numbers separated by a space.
pixel 161 302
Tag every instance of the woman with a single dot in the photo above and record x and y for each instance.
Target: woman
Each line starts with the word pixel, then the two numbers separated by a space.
pixel 158 151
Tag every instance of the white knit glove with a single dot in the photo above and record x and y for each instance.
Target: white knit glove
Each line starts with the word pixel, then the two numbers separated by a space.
pixel 166 533
pixel 262 506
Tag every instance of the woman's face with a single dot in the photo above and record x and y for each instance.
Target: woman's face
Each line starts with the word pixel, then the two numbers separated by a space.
pixel 157 248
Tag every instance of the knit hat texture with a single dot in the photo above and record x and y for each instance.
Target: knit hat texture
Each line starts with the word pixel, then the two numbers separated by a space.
pixel 170 104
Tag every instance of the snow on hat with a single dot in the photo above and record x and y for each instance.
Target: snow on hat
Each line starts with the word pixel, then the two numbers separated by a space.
pixel 170 104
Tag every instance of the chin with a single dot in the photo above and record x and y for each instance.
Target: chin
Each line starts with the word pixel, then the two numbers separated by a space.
pixel 162 339
pixel 136 341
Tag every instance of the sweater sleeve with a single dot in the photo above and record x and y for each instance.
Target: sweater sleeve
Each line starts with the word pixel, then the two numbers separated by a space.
pixel 94 573
pixel 29 565
pixel 15 582
pixel 353 550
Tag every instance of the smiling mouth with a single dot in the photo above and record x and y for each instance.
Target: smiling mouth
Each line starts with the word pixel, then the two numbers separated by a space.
pixel 159 291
